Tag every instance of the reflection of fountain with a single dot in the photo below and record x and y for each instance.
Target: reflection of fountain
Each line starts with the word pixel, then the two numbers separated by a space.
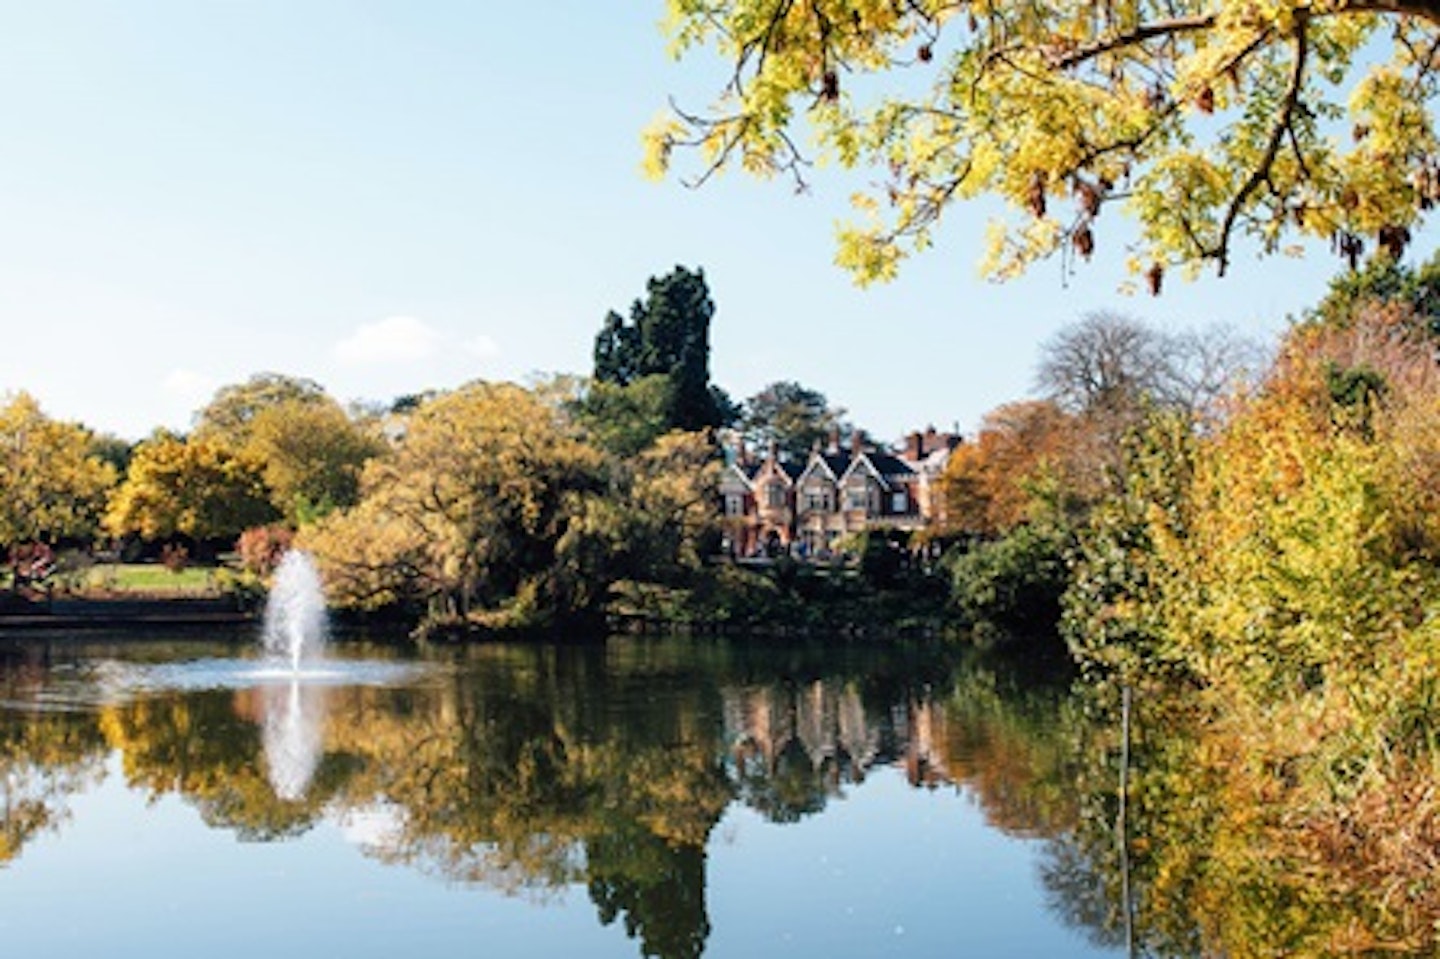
pixel 293 716
pixel 294 713
pixel 295 611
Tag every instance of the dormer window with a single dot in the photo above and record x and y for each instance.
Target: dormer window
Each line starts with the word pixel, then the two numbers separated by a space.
pixel 775 495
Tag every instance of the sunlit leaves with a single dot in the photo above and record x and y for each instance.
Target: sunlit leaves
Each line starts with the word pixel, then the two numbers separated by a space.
pixel 198 488
pixel 1208 120
pixel 53 483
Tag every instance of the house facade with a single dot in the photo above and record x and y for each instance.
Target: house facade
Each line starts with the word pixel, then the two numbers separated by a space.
pixel 773 506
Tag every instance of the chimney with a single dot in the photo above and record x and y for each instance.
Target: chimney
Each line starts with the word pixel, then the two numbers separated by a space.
pixel 834 446
pixel 857 443
pixel 914 447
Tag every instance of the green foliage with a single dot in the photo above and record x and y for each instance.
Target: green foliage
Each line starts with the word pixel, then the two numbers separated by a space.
pixel 668 334
pixel 1010 587
pixel 623 420
pixel 792 417
pixel 1383 281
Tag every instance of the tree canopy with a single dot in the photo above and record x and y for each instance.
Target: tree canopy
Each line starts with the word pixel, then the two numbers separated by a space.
pixel 668 333
pixel 233 408
pixel 53 479
pixel 792 416
pixel 1206 121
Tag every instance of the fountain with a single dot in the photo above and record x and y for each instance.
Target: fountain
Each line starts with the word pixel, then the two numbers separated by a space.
pixel 295 623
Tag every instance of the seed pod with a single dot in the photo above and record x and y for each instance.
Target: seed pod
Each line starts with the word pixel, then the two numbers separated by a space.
pixel 1084 242
pixel 1035 195
pixel 1154 277
pixel 1088 196
pixel 830 86
pixel 1350 247
pixel 925 53
pixel 1360 131
pixel 1299 212
pixel 1349 198
pixel 1393 240
pixel 1205 100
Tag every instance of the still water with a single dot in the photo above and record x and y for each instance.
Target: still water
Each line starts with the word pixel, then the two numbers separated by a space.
pixel 671 798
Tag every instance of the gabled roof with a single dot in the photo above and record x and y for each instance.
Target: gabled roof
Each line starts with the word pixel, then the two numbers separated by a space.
pixel 743 473
pixel 829 463
pixel 883 466
pixel 787 471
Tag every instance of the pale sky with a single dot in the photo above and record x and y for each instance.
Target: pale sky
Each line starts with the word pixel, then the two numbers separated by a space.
pixel 392 196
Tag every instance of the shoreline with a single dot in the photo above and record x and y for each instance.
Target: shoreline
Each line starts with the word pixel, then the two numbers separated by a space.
pixel 123 613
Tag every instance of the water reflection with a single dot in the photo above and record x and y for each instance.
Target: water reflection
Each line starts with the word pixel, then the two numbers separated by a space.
pixel 292 717
pixel 607 769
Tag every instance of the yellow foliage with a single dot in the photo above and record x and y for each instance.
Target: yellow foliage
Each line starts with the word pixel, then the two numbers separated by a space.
pixel 1201 119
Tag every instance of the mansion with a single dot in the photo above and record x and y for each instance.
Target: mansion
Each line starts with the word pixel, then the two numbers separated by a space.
pixel 774 505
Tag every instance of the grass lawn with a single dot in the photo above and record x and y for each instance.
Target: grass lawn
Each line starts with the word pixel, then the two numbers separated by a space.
pixel 146 578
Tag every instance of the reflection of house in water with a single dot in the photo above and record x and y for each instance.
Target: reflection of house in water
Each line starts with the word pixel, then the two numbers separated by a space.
pixel 821 731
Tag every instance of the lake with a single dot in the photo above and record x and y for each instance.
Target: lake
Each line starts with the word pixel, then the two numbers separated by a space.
pixel 632 797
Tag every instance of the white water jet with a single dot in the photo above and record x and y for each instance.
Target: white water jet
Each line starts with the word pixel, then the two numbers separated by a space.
pixel 295 621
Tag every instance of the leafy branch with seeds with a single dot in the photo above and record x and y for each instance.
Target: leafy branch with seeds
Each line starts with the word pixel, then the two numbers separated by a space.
pixel 1207 123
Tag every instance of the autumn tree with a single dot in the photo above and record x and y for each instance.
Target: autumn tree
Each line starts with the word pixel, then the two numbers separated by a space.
pixel 312 453
pixel 232 410
pixel 198 488
pixel 1206 122
pixel 990 484
pixel 53 479
pixel 485 509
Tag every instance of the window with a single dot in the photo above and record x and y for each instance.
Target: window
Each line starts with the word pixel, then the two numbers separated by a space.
pixel 734 504
pixel 855 499
pixel 775 495
pixel 817 499
pixel 899 502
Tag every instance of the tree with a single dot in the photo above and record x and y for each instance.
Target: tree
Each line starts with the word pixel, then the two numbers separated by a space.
pixel 668 333
pixel 198 488
pixel 791 416
pixel 312 454
pixel 1206 121
pixel 231 411
pixel 623 420
pixel 990 484
pixel 1106 362
pixel 1383 281
pixel 53 481
pixel 485 510
pixel 1110 365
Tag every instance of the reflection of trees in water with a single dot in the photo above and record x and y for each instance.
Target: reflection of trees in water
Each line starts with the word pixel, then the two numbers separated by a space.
pixel 47 755
pixel 537 769
pixel 45 758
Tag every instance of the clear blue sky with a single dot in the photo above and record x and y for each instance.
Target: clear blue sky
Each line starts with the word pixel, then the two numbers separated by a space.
pixel 386 197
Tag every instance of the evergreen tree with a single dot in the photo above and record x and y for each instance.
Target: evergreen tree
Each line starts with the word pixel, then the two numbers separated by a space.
pixel 668 334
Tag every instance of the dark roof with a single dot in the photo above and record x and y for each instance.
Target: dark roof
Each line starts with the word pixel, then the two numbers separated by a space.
pixel 888 465
pixel 837 462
